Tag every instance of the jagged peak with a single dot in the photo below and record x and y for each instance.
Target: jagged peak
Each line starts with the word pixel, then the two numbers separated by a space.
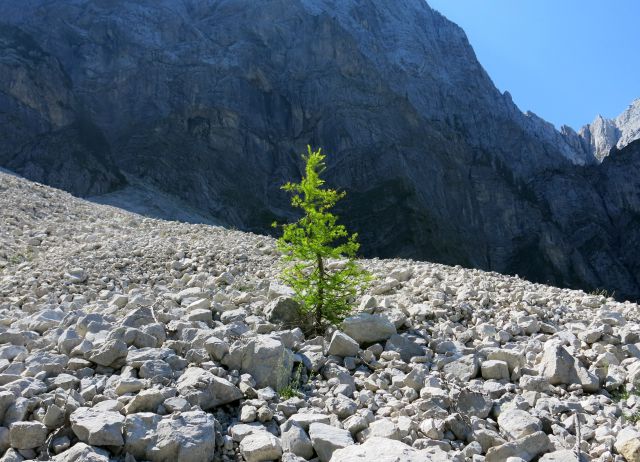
pixel 603 134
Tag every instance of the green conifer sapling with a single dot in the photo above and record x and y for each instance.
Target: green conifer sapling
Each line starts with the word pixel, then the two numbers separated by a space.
pixel 324 291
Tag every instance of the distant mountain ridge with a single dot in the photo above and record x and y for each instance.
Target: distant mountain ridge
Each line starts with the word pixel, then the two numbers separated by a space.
pixel 210 102
pixel 602 135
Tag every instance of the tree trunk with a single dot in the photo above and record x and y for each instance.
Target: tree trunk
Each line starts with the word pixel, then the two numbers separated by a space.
pixel 320 304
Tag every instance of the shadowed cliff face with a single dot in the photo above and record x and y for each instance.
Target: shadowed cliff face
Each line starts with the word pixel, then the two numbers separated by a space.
pixel 43 135
pixel 211 102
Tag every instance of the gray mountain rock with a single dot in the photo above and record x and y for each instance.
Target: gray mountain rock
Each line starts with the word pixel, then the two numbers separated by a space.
pixel 209 103
pixel 602 135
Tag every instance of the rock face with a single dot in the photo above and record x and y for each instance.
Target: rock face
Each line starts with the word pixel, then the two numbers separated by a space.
pixel 603 135
pixel 447 167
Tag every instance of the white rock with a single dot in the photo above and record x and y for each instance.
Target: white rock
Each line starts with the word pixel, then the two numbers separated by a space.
pixel 27 435
pixel 367 328
pixel 267 360
pixel 260 446
pixel 628 444
pixel 342 345
pixel 99 428
pixel 559 367
pixel 495 369
pixel 515 423
pixel 296 440
pixel 204 389
pixel 184 437
pixel 526 448
pixel 326 439
pixel 82 452
pixel 380 450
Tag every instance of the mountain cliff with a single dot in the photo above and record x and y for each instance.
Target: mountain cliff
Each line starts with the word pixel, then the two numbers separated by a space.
pixel 602 135
pixel 210 101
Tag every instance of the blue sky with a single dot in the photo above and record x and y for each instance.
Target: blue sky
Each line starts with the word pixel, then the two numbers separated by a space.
pixel 565 60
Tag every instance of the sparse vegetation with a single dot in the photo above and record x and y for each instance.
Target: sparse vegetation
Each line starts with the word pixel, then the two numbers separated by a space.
pixel 21 257
pixel 293 389
pixel 619 395
pixel 325 291
pixel 633 418
pixel 603 293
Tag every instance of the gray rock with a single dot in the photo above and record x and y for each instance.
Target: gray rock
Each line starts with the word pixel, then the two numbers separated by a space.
pixel 145 400
pixel 204 389
pixel 240 431
pixel 216 348
pixel 341 406
pixel 405 345
pixel 495 369
pixel 306 419
pixel 367 328
pixel 463 369
pixel 12 455
pixel 99 428
pixel 628 444
pixel 141 433
pixel 76 275
pixel 155 368
pixel 81 452
pixel 526 448
pixel 563 455
pixel 285 311
pixel 49 363
pixel 109 353
pixel 265 358
pixel 384 428
pixel 296 440
pixel 27 435
pixel 514 359
pixel 184 437
pixel 474 404
pixel 260 447
pixel 5 439
pixel 559 367
pixel 176 404
pixel 515 423
pixel 327 439
pixel 342 345
pixel 129 385
pixel 380 450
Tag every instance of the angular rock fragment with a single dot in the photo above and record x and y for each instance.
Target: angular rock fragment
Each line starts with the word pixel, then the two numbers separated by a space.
pixel 367 328
pixel 98 428
pixel 204 389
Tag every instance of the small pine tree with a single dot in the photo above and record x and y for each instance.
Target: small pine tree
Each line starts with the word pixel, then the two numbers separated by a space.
pixel 324 292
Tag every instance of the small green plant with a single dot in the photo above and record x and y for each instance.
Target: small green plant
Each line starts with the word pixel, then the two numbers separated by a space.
pixel 18 258
pixel 293 389
pixel 633 418
pixel 602 293
pixel 324 292
pixel 619 394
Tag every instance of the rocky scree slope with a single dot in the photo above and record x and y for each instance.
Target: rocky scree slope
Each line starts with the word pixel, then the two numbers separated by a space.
pixel 125 338
pixel 203 99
